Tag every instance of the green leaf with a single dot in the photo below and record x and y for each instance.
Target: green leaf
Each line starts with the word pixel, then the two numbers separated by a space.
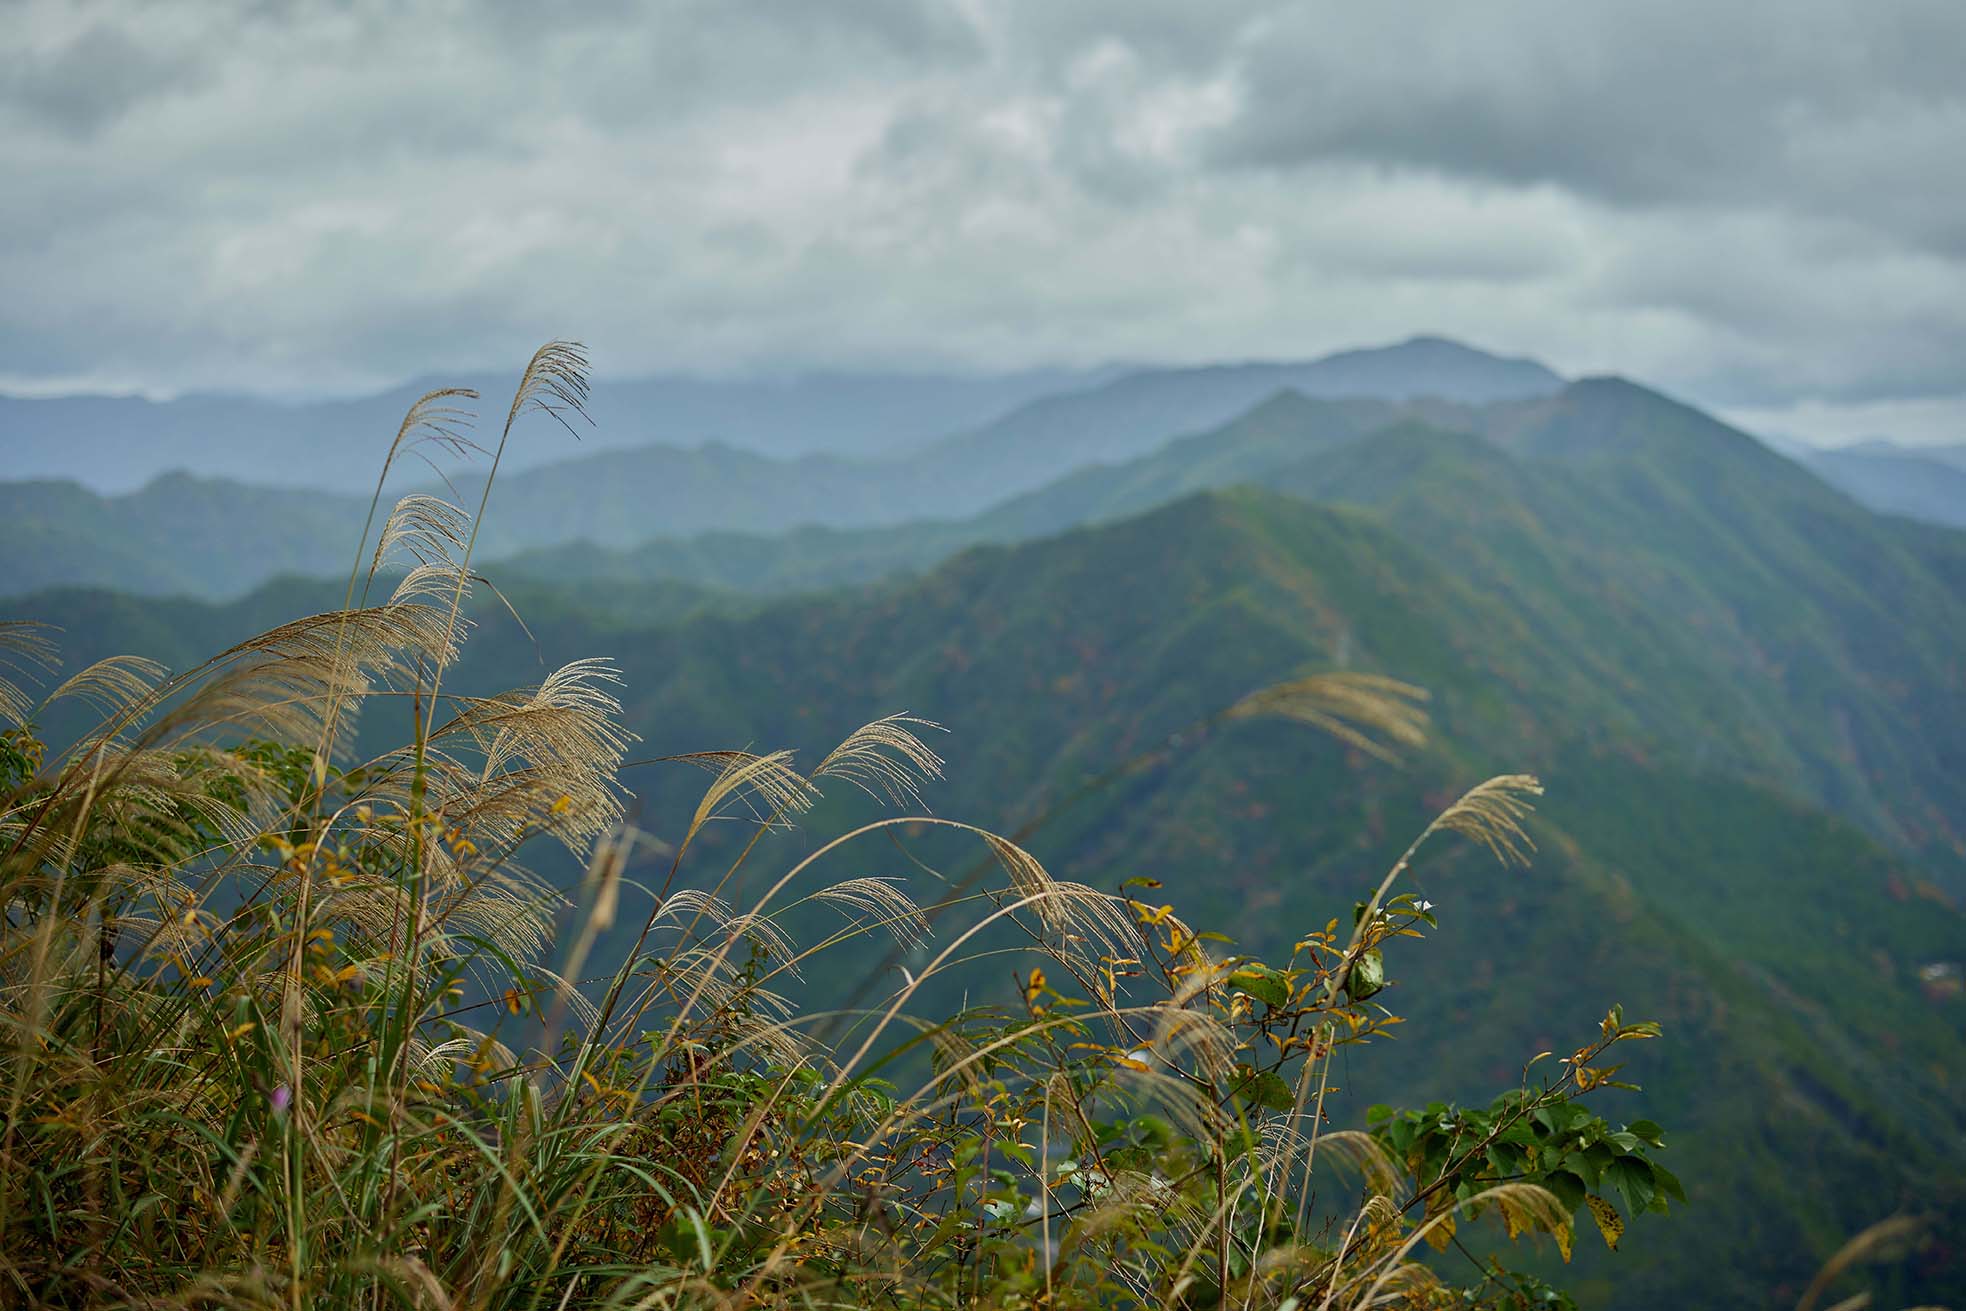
pixel 1647 1131
pixel 1668 1183
pixel 1265 1089
pixel 1569 1189
pixel 1366 976
pixel 1263 983
pixel 1632 1177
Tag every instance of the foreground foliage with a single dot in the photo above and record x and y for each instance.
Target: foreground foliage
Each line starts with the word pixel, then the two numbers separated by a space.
pixel 292 1024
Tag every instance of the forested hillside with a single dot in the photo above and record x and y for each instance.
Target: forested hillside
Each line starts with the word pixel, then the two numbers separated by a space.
pixel 1781 946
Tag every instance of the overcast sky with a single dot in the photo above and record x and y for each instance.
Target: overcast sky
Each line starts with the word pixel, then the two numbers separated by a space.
pixel 1759 206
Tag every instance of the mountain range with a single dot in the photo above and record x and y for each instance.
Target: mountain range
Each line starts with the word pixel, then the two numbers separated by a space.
pixel 1921 482
pixel 114 444
pixel 720 511
pixel 974 424
pixel 1744 689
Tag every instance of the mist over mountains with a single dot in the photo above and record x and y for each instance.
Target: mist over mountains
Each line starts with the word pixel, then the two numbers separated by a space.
pixel 115 444
pixel 1918 482
pixel 738 460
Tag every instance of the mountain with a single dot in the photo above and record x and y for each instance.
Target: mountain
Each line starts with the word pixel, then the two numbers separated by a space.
pixel 1132 415
pixel 1953 453
pixel 1897 479
pixel 177 534
pixel 619 498
pixel 114 444
pixel 1643 670
pixel 1827 633
pixel 1278 431
pixel 1744 689
pixel 1010 423
pixel 1584 509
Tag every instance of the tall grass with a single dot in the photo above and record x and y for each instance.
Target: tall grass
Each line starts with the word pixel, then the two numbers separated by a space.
pixel 289 1025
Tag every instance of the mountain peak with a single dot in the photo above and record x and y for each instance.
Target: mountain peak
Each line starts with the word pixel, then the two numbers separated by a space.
pixel 1429 365
pixel 1428 341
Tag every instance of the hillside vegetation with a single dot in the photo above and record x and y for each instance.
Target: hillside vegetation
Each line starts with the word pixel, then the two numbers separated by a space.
pixel 289 1022
pixel 1742 689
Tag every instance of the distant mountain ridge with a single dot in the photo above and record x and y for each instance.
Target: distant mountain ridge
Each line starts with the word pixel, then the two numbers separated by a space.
pixel 1918 482
pixel 1953 453
pixel 115 444
pixel 720 515
pixel 1134 414
pixel 622 497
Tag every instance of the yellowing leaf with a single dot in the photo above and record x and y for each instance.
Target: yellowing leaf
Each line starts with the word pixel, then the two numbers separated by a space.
pixel 1441 1235
pixel 1607 1219
pixel 1564 1234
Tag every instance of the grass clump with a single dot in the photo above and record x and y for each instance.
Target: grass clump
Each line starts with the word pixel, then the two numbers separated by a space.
pixel 288 1023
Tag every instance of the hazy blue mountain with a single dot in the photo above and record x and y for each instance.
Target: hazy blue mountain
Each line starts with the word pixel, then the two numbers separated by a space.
pixel 631 497
pixel 1901 480
pixel 1133 414
pixel 555 492
pixel 1953 453
pixel 1276 433
pixel 1017 430
pixel 115 444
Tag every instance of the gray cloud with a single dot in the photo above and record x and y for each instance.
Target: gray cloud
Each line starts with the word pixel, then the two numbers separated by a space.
pixel 1858 111
pixel 1762 205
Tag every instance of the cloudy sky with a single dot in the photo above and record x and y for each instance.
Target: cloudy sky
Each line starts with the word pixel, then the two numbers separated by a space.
pixel 1760 206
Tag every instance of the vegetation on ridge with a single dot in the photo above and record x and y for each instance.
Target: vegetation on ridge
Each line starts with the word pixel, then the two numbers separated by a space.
pixel 289 1023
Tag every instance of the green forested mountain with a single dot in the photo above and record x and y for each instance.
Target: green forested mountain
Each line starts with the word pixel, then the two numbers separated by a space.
pixel 1744 689
pixel 1764 622
pixel 176 535
pixel 1637 664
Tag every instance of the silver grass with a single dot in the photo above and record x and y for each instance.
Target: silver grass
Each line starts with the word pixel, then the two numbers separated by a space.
pixel 111 685
pixel 427 530
pixel 883 903
pixel 1367 711
pixel 767 785
pixel 1492 813
pixel 26 651
pixel 886 759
